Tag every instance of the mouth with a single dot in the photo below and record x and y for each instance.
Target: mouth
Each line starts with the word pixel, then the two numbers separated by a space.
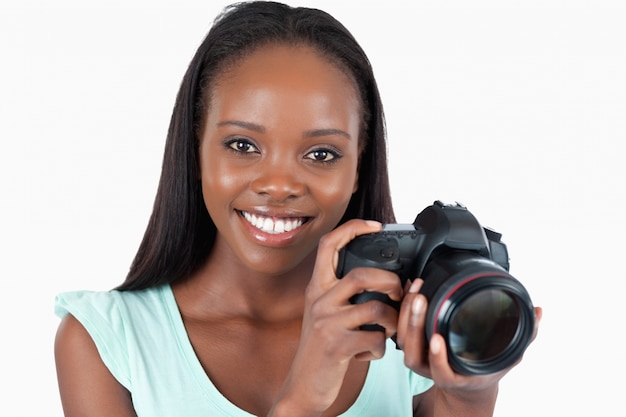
pixel 274 225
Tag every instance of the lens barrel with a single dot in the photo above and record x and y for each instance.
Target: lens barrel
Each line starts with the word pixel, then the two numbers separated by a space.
pixel 484 314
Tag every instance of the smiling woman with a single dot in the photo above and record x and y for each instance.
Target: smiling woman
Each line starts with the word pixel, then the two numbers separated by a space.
pixel 275 160
pixel 292 154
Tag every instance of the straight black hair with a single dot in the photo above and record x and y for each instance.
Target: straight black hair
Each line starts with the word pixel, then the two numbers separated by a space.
pixel 180 232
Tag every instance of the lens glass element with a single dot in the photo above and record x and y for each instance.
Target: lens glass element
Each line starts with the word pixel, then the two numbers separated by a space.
pixel 483 325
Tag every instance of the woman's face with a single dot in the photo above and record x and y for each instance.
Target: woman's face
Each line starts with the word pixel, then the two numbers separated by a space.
pixel 279 155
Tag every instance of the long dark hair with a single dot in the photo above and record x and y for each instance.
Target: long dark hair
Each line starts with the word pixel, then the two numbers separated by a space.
pixel 180 233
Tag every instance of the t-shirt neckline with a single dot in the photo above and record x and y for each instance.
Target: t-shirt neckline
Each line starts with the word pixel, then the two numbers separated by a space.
pixel 216 397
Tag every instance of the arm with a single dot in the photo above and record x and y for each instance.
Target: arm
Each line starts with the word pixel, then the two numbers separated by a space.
pixel 331 340
pixel 86 386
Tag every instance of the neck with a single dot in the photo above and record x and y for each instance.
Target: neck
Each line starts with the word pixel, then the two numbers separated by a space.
pixel 224 286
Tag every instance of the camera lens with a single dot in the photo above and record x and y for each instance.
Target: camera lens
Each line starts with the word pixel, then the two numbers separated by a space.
pixel 484 314
pixel 483 325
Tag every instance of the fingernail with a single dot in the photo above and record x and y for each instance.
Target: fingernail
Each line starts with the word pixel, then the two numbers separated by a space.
pixel 416 308
pixel 435 346
pixel 415 286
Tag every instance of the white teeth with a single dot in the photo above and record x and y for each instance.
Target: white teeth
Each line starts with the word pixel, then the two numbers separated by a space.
pixel 271 225
pixel 279 226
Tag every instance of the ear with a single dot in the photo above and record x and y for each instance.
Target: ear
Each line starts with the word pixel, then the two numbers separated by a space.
pixel 356 179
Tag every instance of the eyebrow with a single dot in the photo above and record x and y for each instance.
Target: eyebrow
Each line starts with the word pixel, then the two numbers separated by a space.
pixel 326 132
pixel 307 134
pixel 246 125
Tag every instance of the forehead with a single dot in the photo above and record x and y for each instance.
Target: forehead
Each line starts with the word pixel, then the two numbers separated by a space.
pixel 288 62
pixel 293 79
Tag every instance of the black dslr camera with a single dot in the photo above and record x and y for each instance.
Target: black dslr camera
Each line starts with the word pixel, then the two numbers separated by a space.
pixel 484 314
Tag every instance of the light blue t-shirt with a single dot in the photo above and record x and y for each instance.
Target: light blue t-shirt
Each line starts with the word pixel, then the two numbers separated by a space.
pixel 142 340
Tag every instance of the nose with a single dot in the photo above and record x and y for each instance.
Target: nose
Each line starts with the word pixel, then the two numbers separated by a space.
pixel 279 181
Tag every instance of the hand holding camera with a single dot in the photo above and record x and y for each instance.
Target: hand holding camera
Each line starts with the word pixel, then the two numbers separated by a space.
pixel 484 314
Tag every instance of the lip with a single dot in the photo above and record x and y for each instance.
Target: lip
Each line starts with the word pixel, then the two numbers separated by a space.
pixel 275 229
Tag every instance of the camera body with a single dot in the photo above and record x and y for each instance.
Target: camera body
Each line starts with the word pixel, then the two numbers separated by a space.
pixel 484 314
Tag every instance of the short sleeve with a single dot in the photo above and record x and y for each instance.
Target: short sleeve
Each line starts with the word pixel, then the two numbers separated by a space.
pixel 419 384
pixel 99 313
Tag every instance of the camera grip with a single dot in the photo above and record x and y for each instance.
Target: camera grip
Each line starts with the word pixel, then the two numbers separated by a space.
pixel 371 251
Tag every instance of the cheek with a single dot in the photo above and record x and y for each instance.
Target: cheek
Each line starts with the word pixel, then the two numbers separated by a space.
pixel 336 192
pixel 219 182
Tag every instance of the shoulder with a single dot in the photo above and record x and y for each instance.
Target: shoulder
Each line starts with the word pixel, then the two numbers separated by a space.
pixel 104 301
pixel 82 374
pixel 72 337
pixel 109 309
pixel 109 323
pixel 74 348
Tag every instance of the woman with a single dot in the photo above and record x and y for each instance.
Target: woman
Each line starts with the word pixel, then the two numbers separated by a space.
pixel 275 154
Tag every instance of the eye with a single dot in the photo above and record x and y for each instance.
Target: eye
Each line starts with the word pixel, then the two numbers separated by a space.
pixel 323 155
pixel 241 145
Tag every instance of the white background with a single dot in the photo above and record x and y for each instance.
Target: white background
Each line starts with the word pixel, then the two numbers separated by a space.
pixel 516 109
